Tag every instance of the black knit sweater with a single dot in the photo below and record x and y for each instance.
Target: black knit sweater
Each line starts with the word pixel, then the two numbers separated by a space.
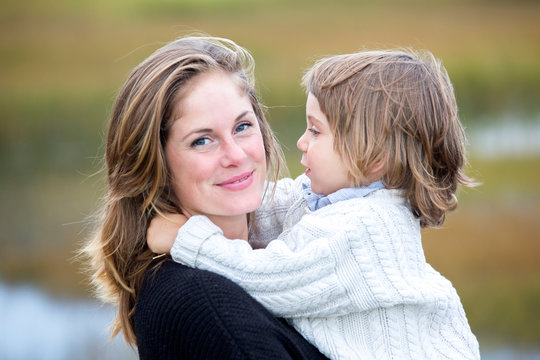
pixel 185 313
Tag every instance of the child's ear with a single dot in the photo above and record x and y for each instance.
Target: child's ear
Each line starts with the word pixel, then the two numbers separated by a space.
pixel 378 166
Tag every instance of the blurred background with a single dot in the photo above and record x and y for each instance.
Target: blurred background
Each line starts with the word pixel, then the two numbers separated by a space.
pixel 62 62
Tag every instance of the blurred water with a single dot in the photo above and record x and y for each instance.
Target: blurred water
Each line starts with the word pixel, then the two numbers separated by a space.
pixel 505 137
pixel 36 326
pixel 508 353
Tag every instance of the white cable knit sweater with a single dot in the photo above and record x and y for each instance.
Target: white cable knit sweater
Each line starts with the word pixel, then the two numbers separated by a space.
pixel 351 277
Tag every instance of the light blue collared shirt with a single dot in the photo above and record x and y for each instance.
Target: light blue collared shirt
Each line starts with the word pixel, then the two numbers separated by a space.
pixel 316 201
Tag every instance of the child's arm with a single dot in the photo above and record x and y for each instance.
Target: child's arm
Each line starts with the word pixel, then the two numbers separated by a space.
pixel 162 231
pixel 356 259
pixel 289 284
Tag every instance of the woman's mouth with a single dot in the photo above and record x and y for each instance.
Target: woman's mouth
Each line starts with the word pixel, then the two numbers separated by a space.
pixel 238 182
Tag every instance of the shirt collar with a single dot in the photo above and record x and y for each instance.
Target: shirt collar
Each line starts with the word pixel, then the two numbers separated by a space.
pixel 317 201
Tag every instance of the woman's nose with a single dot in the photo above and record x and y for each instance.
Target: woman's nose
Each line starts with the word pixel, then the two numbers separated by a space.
pixel 301 143
pixel 233 153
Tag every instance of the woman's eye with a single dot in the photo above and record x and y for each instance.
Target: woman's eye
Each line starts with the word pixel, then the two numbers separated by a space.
pixel 200 142
pixel 242 127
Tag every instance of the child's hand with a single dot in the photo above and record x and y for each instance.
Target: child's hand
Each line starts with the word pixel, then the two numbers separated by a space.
pixel 162 232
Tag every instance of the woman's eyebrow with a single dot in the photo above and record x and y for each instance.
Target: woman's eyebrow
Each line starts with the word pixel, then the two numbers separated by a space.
pixel 244 114
pixel 196 131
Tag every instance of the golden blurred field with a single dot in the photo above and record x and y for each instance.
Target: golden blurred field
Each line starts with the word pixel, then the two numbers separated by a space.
pixel 62 62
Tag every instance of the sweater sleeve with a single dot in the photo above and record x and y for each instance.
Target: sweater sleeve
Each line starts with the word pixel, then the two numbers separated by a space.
pixel 289 284
pixel 355 257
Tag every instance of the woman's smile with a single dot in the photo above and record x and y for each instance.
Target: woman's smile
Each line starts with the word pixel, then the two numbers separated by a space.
pixel 237 183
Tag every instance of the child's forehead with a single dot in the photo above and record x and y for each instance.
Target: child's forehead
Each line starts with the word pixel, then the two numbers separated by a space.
pixel 314 113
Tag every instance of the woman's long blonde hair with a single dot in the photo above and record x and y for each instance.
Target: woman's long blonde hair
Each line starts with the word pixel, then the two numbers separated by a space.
pixel 137 173
pixel 396 107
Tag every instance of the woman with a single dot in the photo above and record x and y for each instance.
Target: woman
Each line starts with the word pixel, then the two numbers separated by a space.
pixel 187 134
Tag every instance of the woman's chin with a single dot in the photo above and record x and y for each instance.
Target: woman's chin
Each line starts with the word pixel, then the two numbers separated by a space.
pixel 246 206
pixel 245 203
pixel 243 208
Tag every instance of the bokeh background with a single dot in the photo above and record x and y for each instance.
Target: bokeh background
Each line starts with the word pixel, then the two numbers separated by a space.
pixel 62 62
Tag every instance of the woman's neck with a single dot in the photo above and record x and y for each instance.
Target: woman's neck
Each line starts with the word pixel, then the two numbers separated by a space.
pixel 234 227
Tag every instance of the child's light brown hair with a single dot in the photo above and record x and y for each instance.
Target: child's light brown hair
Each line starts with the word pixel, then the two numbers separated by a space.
pixel 397 108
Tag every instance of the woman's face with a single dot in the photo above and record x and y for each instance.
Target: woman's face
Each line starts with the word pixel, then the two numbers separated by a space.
pixel 215 149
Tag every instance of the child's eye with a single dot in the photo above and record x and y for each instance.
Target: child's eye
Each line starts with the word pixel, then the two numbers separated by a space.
pixel 243 127
pixel 200 142
pixel 314 131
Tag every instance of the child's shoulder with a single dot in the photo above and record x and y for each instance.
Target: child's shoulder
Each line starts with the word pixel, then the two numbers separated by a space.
pixel 381 206
pixel 387 198
pixel 379 217
pixel 382 199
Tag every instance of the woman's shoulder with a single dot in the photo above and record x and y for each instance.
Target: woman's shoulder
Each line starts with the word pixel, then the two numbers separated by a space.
pixel 163 291
pixel 174 300
pixel 169 281
pixel 185 313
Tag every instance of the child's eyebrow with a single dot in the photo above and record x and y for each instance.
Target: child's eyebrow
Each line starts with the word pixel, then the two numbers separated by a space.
pixel 314 120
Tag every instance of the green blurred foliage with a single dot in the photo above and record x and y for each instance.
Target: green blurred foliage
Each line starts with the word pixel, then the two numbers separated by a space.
pixel 61 63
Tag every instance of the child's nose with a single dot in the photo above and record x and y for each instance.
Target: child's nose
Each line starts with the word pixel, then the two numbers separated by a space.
pixel 301 143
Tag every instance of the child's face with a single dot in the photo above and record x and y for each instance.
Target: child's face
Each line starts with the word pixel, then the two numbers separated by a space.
pixel 324 165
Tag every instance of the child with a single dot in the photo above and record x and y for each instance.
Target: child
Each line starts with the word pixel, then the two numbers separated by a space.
pixel 384 151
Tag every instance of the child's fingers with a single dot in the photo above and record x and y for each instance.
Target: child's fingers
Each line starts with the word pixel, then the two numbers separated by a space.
pixel 162 231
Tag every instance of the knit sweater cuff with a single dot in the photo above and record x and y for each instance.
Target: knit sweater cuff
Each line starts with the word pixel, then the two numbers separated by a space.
pixel 190 238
